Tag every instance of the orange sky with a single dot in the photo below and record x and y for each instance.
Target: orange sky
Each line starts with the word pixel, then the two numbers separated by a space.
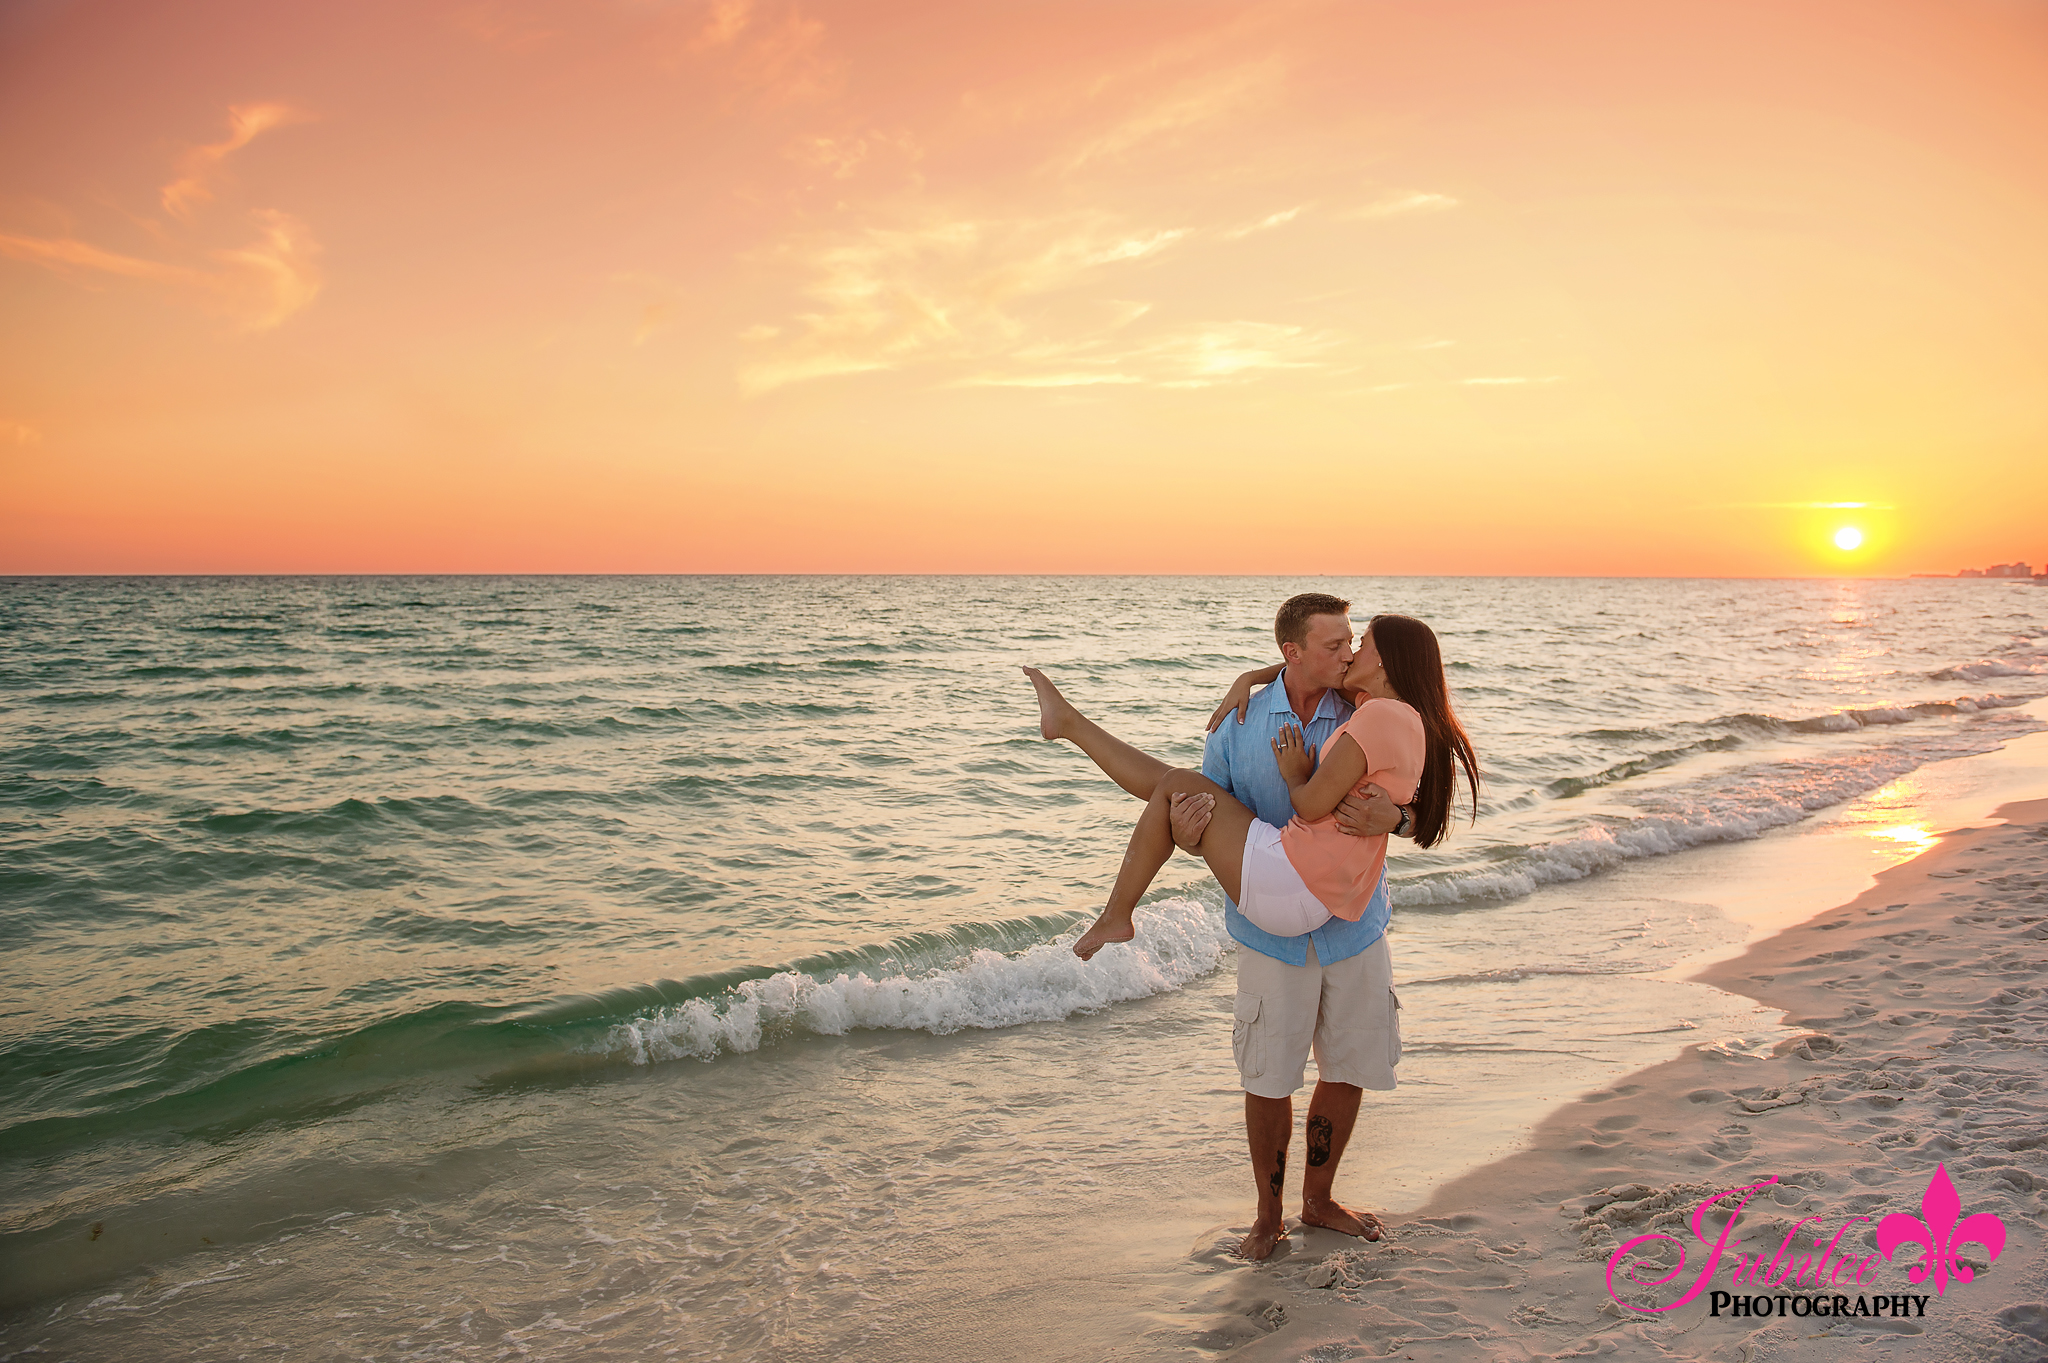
pixel 1352 288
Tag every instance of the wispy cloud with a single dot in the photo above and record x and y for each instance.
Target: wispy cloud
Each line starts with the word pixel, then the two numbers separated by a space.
pixel 1511 380
pixel 786 62
pixel 275 276
pixel 944 289
pixel 1045 380
pixel 259 285
pixel 1196 103
pixel 727 19
pixel 1403 201
pixel 1222 352
pixel 66 256
pixel 1266 223
pixel 245 121
pixel 1010 303
pixel 842 156
pixel 1199 356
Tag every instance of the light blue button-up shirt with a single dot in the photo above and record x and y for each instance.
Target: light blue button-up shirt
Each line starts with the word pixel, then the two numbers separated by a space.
pixel 1239 758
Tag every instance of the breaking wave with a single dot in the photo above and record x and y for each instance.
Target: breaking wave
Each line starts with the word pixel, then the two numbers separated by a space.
pixel 1178 941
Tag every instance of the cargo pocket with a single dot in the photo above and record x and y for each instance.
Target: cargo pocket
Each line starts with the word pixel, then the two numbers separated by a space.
pixel 1393 1028
pixel 1244 1037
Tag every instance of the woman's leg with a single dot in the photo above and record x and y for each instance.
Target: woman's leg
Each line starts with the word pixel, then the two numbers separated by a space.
pixel 1135 771
pixel 1152 843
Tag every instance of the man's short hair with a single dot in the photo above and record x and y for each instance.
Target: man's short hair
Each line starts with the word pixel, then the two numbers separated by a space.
pixel 1290 626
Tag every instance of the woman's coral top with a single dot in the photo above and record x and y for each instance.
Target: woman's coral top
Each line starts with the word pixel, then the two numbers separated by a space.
pixel 1342 871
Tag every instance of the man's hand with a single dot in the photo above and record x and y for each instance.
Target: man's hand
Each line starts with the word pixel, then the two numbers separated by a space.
pixel 1368 815
pixel 1190 814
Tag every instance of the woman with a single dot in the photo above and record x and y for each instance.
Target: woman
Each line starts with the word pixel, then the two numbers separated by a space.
pixel 1403 737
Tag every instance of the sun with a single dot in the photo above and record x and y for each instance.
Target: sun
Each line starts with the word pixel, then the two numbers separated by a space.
pixel 1848 538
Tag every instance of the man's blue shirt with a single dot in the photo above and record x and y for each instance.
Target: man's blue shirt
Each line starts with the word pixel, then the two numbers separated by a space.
pixel 1239 758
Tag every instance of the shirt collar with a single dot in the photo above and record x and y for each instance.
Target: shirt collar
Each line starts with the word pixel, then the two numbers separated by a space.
pixel 1273 700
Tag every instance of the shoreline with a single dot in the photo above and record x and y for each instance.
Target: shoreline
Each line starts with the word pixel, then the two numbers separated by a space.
pixel 1920 1004
pixel 1114 1242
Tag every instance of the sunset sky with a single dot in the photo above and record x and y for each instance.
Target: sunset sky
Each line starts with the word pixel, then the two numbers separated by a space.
pixel 1620 287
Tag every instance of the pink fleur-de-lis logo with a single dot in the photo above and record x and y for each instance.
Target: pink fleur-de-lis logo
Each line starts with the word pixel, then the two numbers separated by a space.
pixel 1940 1233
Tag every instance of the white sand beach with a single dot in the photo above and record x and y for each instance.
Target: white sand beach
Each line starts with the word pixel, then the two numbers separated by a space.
pixel 1922 1002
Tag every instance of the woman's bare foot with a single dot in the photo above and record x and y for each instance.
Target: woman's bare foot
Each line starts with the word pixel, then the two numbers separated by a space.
pixel 1111 927
pixel 1262 1241
pixel 1331 1214
pixel 1053 708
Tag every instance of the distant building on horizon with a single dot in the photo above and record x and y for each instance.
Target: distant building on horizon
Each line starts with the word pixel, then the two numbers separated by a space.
pixel 2018 570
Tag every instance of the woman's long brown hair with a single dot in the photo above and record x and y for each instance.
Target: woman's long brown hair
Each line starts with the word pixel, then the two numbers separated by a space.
pixel 1415 670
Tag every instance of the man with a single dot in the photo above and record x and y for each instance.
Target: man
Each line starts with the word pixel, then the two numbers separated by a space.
pixel 1330 990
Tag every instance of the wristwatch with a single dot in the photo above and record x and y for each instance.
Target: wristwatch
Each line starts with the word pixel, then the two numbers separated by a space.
pixel 1407 824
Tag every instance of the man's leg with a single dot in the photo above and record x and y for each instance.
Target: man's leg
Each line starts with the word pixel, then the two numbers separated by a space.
pixel 1268 1127
pixel 1332 1112
pixel 1356 1044
pixel 1275 1020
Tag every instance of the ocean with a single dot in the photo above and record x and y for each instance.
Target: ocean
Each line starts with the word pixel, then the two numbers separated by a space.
pixel 566 967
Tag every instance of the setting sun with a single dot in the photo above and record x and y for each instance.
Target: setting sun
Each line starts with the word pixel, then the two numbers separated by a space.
pixel 1848 537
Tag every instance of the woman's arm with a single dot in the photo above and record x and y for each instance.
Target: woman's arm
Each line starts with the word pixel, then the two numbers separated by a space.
pixel 1316 795
pixel 1239 697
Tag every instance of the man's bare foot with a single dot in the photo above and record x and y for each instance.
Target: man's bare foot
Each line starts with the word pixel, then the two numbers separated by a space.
pixel 1053 708
pixel 1262 1241
pixel 1333 1215
pixel 1110 927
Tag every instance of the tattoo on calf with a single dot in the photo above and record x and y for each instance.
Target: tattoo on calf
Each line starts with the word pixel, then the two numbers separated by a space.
pixel 1279 1173
pixel 1319 1133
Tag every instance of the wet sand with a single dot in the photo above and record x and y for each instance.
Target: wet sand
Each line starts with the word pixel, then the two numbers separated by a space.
pixel 1924 1004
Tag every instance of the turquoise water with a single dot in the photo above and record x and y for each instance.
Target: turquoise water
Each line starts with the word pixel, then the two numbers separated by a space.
pixel 358 897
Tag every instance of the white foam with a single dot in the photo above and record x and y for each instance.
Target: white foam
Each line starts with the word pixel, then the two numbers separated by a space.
pixel 1178 941
pixel 1734 807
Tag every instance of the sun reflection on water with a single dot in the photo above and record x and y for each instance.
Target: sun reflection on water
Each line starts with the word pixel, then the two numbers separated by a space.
pixel 1895 819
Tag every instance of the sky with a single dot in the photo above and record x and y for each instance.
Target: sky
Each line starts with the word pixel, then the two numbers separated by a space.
pixel 1582 287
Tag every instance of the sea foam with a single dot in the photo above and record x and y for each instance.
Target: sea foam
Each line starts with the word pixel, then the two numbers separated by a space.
pixel 1727 807
pixel 1178 940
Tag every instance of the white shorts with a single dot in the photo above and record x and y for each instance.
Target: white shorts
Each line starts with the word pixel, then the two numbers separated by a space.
pixel 1346 1013
pixel 1270 892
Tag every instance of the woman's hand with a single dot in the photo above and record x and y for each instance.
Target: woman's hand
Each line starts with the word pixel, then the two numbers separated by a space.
pixel 1297 763
pixel 1238 698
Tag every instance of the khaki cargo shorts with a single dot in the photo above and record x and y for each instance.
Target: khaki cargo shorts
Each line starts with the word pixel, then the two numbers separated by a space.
pixel 1346 1013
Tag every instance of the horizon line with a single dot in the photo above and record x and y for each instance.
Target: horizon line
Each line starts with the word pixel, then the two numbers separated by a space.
pixel 1975 576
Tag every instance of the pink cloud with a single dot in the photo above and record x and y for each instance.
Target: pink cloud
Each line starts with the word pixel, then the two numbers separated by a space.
pixel 181 196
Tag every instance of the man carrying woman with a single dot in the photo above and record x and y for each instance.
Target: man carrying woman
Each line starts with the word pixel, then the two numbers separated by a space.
pixel 1299 848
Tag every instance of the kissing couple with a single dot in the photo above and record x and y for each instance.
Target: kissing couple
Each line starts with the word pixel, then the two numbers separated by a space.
pixel 1291 810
